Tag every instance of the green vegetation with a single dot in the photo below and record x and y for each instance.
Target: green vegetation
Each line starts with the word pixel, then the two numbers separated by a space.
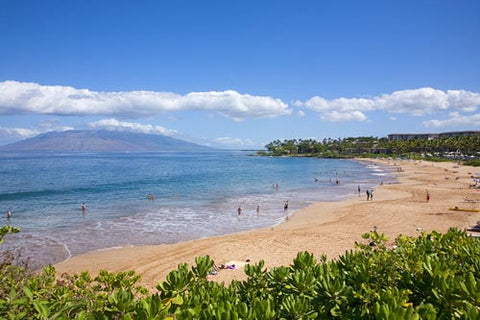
pixel 440 148
pixel 473 163
pixel 7 229
pixel 434 276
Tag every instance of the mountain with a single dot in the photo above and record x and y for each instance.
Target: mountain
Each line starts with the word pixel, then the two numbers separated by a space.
pixel 102 141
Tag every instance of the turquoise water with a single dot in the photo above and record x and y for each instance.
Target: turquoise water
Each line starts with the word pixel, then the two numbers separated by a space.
pixel 195 195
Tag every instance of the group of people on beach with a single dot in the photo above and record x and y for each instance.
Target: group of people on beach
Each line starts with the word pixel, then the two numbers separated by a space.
pixel 240 211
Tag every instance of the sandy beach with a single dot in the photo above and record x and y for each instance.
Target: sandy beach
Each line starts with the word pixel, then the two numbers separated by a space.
pixel 328 228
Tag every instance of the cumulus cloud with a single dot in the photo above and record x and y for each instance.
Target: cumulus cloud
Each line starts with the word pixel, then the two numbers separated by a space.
pixel 19 133
pixel 52 125
pixel 237 142
pixel 455 120
pixel 300 113
pixel 417 102
pixel 336 116
pixel 116 125
pixel 32 98
pixel 13 134
pixel 297 103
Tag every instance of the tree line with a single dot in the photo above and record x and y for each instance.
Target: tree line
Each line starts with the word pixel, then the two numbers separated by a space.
pixel 460 146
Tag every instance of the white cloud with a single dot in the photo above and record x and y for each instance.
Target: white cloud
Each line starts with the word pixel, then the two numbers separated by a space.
pixel 455 120
pixel 393 118
pixel 237 142
pixel 297 103
pixel 116 125
pixel 417 102
pixel 300 113
pixel 52 125
pixel 18 133
pixel 13 134
pixel 26 97
pixel 336 116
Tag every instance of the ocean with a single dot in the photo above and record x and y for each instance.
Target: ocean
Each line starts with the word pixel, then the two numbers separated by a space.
pixel 196 195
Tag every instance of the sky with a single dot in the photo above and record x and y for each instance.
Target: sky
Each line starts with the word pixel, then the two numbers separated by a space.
pixel 239 74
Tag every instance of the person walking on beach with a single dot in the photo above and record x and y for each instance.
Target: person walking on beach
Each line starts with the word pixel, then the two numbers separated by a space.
pixel 368 194
pixel 428 196
pixel 359 190
pixel 285 206
pixel 258 210
pixel 239 210
pixel 371 194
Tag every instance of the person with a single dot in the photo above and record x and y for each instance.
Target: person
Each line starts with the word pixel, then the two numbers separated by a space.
pixel 239 210
pixel 368 195
pixel 371 194
pixel 150 196
pixel 359 190
pixel 9 214
pixel 83 207
pixel 285 206
pixel 258 209
pixel 428 196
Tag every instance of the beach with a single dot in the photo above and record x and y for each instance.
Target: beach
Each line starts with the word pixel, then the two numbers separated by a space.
pixel 323 228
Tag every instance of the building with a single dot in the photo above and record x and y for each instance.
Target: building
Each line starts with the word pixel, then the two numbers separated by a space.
pixel 408 136
pixel 430 136
pixel 458 133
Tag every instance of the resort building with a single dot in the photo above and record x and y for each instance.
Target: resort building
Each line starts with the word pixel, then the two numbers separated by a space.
pixel 458 133
pixel 429 136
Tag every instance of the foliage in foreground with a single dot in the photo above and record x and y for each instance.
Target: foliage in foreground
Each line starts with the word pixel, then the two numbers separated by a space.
pixel 7 229
pixel 434 276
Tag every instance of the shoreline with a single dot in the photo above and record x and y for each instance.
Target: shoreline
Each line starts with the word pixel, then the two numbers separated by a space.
pixel 342 198
pixel 328 228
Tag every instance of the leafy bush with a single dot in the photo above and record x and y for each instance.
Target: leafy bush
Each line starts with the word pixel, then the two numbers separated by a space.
pixel 429 277
pixel 473 162
pixel 7 229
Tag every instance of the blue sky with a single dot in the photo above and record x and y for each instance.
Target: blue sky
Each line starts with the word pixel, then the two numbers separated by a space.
pixel 239 74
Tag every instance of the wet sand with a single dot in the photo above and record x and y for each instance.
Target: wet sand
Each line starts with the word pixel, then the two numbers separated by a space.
pixel 328 228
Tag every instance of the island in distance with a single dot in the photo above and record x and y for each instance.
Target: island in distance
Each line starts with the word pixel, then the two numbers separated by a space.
pixel 102 141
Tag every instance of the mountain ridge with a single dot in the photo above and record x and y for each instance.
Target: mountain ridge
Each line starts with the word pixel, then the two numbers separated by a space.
pixel 102 141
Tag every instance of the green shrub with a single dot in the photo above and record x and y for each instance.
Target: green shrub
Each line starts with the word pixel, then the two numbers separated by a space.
pixel 434 276
pixel 473 162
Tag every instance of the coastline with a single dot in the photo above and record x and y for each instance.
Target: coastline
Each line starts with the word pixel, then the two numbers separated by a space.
pixel 328 228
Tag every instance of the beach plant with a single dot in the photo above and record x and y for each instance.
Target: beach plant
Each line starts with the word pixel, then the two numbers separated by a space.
pixel 7 229
pixel 432 276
